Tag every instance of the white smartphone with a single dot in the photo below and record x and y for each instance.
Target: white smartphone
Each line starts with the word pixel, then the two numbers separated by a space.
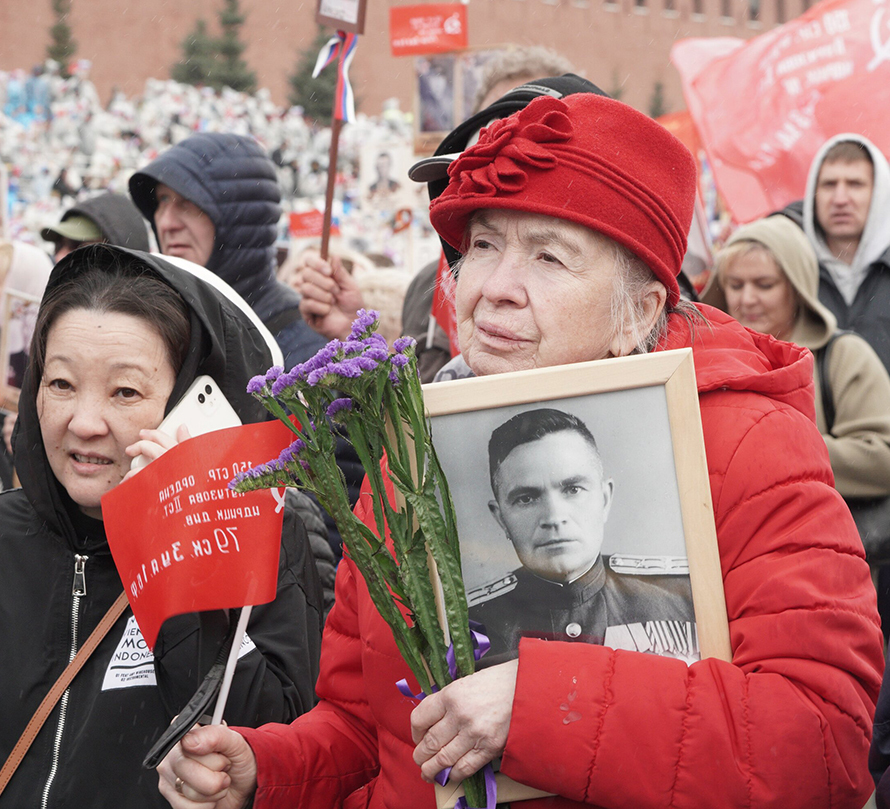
pixel 202 409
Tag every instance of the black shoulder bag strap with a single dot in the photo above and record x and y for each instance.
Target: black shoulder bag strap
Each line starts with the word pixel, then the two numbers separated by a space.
pixel 49 701
pixel 822 356
pixel 871 515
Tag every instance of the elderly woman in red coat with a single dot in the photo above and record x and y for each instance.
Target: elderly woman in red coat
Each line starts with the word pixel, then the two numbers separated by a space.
pixel 572 216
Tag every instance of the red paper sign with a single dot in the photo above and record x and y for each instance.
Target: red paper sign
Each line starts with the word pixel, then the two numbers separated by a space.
pixel 307 224
pixel 427 29
pixel 764 107
pixel 443 303
pixel 183 542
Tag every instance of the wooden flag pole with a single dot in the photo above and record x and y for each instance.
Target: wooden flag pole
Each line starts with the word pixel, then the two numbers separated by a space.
pixel 336 126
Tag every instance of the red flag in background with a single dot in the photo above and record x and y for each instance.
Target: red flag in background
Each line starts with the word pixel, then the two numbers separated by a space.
pixel 433 28
pixel 183 542
pixel 764 107
pixel 307 224
pixel 443 303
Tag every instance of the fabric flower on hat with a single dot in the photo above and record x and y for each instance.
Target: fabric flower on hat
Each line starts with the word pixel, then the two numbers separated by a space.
pixel 496 162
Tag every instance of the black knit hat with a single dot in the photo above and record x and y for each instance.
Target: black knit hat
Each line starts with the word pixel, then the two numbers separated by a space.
pixel 433 169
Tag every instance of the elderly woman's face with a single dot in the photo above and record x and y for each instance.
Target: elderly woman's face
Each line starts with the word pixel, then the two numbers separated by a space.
pixel 534 291
pixel 759 295
pixel 106 377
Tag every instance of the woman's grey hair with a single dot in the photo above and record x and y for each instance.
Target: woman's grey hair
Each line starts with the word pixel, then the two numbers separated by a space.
pixel 633 279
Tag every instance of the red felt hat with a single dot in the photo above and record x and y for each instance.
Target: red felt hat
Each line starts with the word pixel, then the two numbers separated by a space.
pixel 585 158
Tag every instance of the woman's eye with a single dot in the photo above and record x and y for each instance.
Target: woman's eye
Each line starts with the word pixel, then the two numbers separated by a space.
pixel 127 393
pixel 548 258
pixel 481 244
pixel 60 384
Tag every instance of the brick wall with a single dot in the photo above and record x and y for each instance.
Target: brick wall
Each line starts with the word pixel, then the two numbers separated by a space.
pixel 615 44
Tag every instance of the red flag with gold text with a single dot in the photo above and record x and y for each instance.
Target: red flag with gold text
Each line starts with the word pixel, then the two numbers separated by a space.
pixel 183 542
pixel 764 107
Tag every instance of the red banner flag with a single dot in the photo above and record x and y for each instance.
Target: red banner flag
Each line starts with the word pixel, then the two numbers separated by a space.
pixel 435 28
pixel 443 303
pixel 764 107
pixel 306 224
pixel 183 542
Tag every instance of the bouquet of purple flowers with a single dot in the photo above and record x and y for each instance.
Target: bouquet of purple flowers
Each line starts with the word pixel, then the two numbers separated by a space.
pixel 374 395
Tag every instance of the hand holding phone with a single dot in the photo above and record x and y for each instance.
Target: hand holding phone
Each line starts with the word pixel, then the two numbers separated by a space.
pixel 202 409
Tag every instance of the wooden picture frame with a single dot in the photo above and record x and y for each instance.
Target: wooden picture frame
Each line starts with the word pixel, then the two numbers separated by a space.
pixel 19 316
pixel 344 15
pixel 644 415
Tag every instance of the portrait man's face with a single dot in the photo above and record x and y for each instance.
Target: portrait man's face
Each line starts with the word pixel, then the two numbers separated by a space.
pixel 383 166
pixel 552 501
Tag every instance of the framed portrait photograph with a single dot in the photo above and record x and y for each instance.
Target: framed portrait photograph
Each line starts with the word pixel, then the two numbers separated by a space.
pixel 344 15
pixel 383 176
pixel 19 318
pixel 584 509
pixel 445 93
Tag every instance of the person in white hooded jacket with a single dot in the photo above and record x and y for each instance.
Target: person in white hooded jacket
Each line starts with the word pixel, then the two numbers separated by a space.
pixel 846 216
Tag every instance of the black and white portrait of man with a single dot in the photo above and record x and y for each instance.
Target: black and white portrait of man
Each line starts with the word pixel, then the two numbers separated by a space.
pixel 552 499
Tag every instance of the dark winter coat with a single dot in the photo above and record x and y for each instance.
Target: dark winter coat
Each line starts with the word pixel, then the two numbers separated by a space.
pixel 230 178
pixel 89 752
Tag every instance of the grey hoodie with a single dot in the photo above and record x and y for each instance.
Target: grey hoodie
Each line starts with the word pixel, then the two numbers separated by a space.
pixel 876 234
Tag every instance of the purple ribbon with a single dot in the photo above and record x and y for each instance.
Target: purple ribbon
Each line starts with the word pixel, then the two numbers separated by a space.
pixel 481 644
pixel 491 790
pixel 403 686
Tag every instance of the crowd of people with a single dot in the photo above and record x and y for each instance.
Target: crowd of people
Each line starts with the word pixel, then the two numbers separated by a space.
pixel 61 144
pixel 564 217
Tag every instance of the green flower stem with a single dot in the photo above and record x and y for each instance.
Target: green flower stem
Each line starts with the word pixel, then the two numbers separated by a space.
pixel 271 404
pixel 377 587
pixel 474 789
pixel 385 420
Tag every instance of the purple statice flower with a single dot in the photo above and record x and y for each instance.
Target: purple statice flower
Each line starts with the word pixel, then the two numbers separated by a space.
pixel 346 369
pixel 248 474
pixel 378 355
pixel 402 344
pixel 257 384
pixel 285 380
pixel 376 340
pixel 344 403
pixel 399 360
pixel 351 347
pixel 323 357
pixel 289 454
pixel 273 373
pixel 362 324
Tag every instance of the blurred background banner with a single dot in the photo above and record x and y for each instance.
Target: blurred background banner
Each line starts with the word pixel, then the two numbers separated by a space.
pixel 764 107
pixel 433 28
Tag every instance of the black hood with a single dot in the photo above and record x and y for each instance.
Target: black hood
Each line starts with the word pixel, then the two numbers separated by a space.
pixel 117 218
pixel 225 343
pixel 234 182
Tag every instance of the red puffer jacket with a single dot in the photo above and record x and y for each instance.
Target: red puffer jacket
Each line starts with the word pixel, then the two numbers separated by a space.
pixel 787 724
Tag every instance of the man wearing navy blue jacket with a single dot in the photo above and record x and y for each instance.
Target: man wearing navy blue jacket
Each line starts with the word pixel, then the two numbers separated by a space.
pixel 214 199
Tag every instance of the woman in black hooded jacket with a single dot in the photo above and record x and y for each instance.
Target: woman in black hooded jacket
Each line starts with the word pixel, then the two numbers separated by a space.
pixel 58 579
